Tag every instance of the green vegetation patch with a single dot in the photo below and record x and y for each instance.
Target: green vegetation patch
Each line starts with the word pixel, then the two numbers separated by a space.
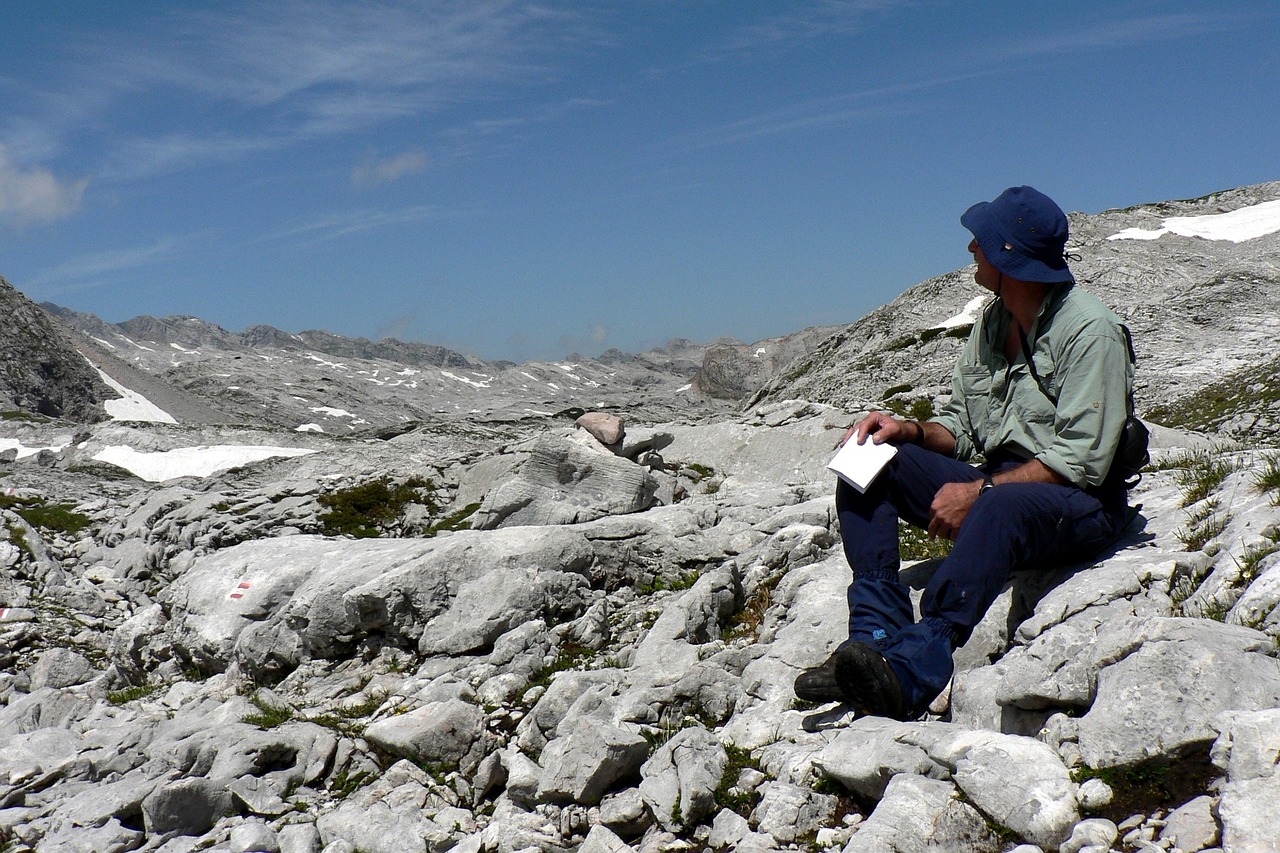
pixel 371 509
pixel 728 795
pixel 131 694
pixel 915 544
pixel 1147 788
pixel 1250 390
pixel 60 518
pixel 1267 480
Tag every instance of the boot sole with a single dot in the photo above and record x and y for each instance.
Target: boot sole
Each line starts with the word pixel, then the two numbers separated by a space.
pixel 868 682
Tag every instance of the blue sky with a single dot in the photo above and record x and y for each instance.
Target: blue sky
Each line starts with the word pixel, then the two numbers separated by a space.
pixel 527 179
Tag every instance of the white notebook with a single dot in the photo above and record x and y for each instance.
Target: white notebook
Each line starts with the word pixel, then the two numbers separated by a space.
pixel 858 464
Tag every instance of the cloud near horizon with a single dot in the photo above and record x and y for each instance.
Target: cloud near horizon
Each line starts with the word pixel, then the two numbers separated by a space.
pixel 36 195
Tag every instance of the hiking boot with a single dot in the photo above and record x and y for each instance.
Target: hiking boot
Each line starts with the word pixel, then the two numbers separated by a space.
pixel 867 682
pixel 819 683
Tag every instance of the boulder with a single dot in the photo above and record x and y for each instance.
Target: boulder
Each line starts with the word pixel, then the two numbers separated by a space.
pixel 441 733
pixel 564 482
pixel 1163 681
pixel 680 780
pixel 185 807
pixel 581 765
pixel 922 814
pixel 605 428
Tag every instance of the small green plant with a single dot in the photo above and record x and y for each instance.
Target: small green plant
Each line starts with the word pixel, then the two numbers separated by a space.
pixel 1252 558
pixel 1203 525
pixel 370 509
pixel 571 656
pixel 661 584
pixel 1268 479
pixel 268 716
pixel 131 694
pixel 1202 475
pixel 701 472
pixel 344 784
pixel 454 520
pixel 728 794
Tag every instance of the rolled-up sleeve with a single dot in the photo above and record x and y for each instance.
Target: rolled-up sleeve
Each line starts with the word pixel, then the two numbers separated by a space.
pixel 1092 406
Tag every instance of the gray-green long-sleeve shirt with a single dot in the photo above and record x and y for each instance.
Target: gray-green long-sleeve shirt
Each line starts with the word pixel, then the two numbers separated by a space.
pixel 1081 356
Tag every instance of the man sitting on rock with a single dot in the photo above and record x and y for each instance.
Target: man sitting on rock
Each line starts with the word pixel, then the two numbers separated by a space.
pixel 1047 432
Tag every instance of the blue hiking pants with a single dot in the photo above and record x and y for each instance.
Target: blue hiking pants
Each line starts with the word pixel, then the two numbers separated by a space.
pixel 1015 525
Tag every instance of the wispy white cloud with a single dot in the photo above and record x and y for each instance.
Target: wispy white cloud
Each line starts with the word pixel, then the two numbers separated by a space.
pixel 266 76
pixel 97 268
pixel 813 113
pixel 802 23
pixel 33 194
pixel 1124 32
pixel 388 169
pixel 355 221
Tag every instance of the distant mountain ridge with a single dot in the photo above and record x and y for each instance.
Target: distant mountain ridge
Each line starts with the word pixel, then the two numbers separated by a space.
pixel 1204 314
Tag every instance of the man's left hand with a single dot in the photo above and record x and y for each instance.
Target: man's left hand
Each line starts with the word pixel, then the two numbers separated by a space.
pixel 950 507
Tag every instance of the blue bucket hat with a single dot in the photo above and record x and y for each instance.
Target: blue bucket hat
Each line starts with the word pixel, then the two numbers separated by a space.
pixel 1023 233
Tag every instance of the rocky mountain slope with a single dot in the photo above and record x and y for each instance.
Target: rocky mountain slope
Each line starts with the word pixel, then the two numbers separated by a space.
pixel 503 634
pixel 42 372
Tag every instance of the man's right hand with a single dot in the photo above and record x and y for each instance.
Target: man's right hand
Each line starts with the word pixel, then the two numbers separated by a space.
pixel 881 427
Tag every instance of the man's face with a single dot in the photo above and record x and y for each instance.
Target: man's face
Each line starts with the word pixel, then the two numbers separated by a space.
pixel 986 275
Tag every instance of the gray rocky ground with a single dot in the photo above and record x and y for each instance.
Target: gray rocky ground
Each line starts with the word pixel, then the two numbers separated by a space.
pixel 493 633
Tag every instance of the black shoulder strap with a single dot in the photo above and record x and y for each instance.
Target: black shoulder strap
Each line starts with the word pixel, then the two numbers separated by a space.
pixel 1031 363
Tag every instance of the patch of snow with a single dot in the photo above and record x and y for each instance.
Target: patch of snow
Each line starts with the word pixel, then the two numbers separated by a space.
pixel 684 388
pixel 321 361
pixel 200 461
pixel 106 344
pixel 179 348
pixel 136 344
pixel 23 450
pixel 408 371
pixel 760 352
pixel 967 316
pixel 332 412
pixel 1246 223
pixel 447 375
pixel 309 428
pixel 553 386
pixel 132 406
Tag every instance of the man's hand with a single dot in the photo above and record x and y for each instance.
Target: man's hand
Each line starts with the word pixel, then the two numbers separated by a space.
pixel 950 507
pixel 881 427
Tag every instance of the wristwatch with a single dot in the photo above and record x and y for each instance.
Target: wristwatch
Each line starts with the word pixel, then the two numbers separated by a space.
pixel 987 485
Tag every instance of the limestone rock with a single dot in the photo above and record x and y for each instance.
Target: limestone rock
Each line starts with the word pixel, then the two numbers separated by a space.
pixel 922 814
pixel 437 733
pixel 605 428
pixel 680 780
pixel 185 806
pixel 582 764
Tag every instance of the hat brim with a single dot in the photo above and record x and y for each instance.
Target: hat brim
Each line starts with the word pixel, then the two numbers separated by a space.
pixel 1011 262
